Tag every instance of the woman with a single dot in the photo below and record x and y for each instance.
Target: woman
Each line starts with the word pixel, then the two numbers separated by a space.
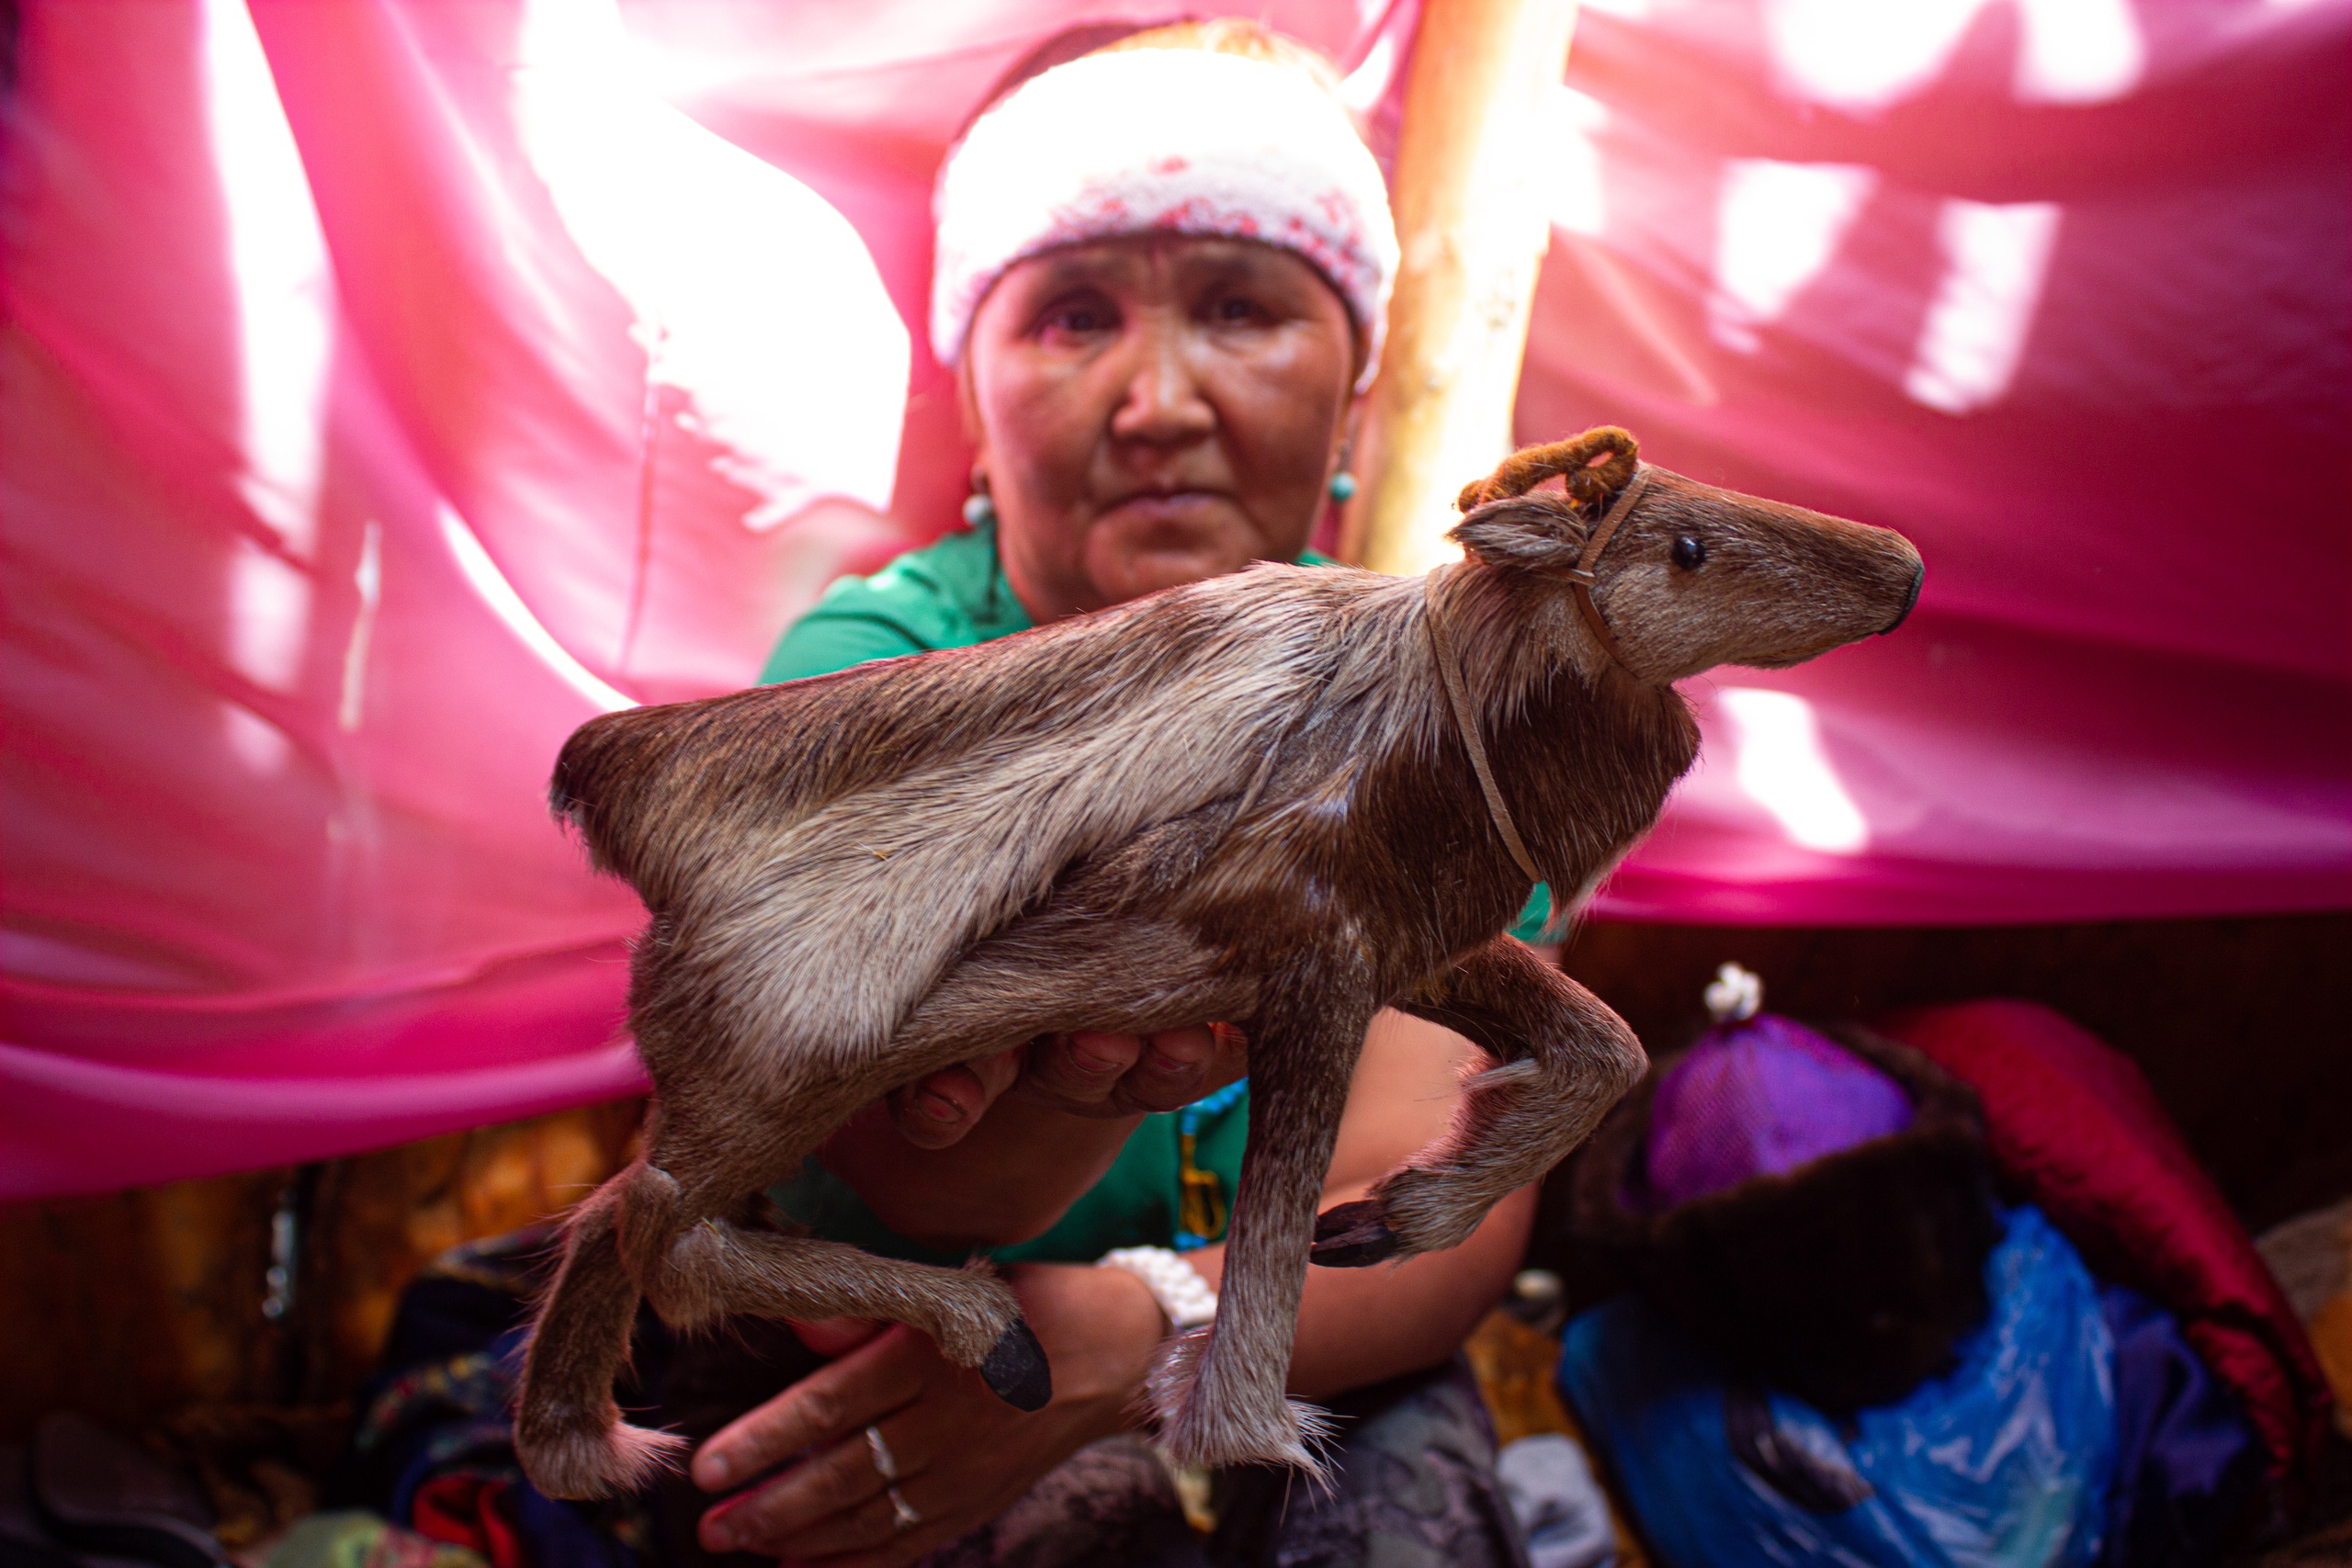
pixel 1162 278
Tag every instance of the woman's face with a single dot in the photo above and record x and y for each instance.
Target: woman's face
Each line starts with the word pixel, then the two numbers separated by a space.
pixel 1153 411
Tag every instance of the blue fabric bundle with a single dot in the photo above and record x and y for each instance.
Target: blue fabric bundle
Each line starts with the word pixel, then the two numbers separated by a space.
pixel 2077 1428
pixel 2003 1462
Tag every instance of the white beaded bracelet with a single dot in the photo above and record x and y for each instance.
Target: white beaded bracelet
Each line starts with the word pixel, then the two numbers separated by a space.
pixel 1175 1284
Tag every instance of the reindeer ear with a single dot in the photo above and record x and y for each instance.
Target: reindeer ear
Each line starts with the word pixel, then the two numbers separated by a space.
pixel 1526 533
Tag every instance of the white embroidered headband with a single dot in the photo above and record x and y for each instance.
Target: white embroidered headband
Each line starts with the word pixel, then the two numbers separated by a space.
pixel 1186 141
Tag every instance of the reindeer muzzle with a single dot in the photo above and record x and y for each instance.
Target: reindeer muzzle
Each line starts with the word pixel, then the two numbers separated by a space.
pixel 1918 581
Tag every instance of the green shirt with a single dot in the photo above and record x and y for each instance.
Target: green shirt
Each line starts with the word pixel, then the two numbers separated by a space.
pixel 1139 1203
pixel 948 594
pixel 953 594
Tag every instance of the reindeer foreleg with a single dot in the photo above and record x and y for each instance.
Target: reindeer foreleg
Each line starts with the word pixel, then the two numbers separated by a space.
pixel 1564 1059
pixel 682 1241
pixel 724 1269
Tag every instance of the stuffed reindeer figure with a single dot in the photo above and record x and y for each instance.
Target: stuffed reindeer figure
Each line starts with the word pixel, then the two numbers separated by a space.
pixel 1285 798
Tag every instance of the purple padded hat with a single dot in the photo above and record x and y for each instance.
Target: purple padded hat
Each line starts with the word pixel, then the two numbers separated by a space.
pixel 1760 1098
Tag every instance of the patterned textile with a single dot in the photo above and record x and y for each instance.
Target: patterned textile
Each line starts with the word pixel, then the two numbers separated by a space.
pixel 434 1449
pixel 351 1538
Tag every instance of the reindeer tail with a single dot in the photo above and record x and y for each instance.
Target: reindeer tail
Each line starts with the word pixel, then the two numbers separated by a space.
pixel 568 1432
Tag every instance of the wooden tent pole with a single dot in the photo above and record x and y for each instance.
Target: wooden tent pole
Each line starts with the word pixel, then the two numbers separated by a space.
pixel 1472 220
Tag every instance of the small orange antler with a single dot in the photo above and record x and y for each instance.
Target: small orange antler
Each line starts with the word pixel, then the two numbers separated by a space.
pixel 1592 466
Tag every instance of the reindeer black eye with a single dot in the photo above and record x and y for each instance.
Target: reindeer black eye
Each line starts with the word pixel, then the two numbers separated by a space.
pixel 1689 552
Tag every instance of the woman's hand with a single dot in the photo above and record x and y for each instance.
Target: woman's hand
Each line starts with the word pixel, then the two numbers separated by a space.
pixel 996 1151
pixel 964 1455
pixel 1086 1073
pixel 961 1455
pixel 1091 1073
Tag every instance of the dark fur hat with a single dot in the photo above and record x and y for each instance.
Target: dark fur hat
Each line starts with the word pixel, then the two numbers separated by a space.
pixel 1844 1281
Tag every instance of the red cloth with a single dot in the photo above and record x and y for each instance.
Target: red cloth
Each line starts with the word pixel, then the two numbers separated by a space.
pixel 2073 1121
pixel 470 1511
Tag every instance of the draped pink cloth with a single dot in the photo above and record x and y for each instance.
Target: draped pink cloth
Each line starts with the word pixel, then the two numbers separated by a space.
pixel 388 387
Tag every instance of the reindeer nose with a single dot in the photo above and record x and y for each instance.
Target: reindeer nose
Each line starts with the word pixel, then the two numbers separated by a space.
pixel 1918 580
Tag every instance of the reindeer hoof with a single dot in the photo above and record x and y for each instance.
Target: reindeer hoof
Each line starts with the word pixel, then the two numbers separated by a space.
pixel 1016 1370
pixel 1354 1235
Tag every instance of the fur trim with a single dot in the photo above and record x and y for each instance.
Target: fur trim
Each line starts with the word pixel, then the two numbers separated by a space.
pixel 1845 1282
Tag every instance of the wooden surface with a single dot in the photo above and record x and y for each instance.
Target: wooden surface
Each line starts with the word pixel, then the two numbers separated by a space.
pixel 145 1305
pixel 1473 224
pixel 1515 1364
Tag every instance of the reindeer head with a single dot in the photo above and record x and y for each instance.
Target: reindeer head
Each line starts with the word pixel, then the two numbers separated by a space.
pixel 1671 577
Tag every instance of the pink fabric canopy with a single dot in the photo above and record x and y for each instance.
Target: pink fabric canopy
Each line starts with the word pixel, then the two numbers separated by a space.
pixel 388 386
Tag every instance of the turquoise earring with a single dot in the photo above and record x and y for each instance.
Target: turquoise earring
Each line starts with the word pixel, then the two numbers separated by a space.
pixel 979 511
pixel 1343 483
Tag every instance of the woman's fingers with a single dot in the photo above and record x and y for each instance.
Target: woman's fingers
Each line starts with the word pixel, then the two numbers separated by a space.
pixel 879 1540
pixel 1168 1071
pixel 1093 1073
pixel 1178 1067
pixel 1081 1069
pixel 1088 1072
pixel 957 1454
pixel 871 1521
pixel 833 1336
pixel 834 1501
pixel 839 1398
pixel 936 1111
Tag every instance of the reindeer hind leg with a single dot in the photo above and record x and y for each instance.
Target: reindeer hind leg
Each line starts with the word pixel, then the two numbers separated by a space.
pixel 568 1432
pixel 1220 1392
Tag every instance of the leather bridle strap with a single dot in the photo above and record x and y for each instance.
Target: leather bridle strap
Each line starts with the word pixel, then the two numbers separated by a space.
pixel 1457 694
pixel 1581 574
pixel 1467 720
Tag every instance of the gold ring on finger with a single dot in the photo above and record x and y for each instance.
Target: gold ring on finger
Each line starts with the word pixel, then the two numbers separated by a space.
pixel 904 1516
pixel 886 1464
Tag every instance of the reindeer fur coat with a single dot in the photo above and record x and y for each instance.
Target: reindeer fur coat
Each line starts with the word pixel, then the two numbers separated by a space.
pixel 1247 799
